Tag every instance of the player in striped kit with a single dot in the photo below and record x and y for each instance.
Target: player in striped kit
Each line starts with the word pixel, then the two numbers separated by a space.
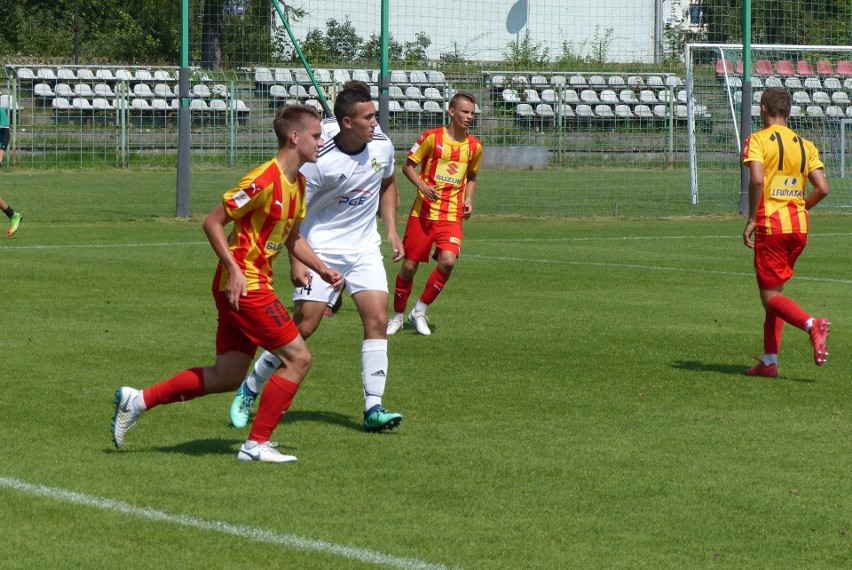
pixel 449 160
pixel 781 162
pixel 352 180
pixel 265 209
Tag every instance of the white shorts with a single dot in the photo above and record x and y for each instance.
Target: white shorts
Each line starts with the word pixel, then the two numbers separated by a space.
pixel 361 272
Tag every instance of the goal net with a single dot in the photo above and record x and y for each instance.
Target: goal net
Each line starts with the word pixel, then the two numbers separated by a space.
pixel 819 79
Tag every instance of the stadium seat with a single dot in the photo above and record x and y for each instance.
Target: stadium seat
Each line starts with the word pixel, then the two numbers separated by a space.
pixel 531 96
pixel 740 67
pixel 341 76
pixel 395 92
pixel 643 112
pixel 825 68
pixel 756 83
pixel 847 83
pixel 755 110
pixel 584 111
pixel 577 81
pixel 43 91
pixel 545 113
pixel 784 68
pixel 46 74
pixel 801 98
pixel 240 109
pixel 103 75
pixel 162 75
pixel 724 67
pixel 538 82
pixel 323 76
pixel 615 81
pixel 282 76
pixel 218 111
pixel 81 104
pixel 661 111
pixel 83 90
pixel 61 110
pixel 432 113
pixel 164 91
pixel 418 78
pixel 647 97
pixel 300 76
pixel 628 97
pixel 437 78
pixel 413 112
pixel 568 112
pixel 795 111
pixel 510 97
pixel 844 68
pixel 734 82
pixel 520 82
pixel 395 108
pixel 123 75
pixel 263 78
pixel 664 96
pixel 65 74
pixel 570 96
pixel 681 96
pixel 681 112
pixel 140 105
pixel 673 81
pixel 102 104
pixel 413 93
pixel 814 111
pixel 832 84
pixel 278 94
pixel 399 78
pixel 199 91
pixel 604 112
pixel 821 98
pixel 813 83
pixel 314 94
pixel 361 75
pixel 433 94
pixel 525 114
pixel 298 92
pixel 558 81
pixel 772 81
pixel 374 92
pixel 609 97
pixel 849 111
pixel 763 67
pixel 63 90
pixel 143 75
pixel 549 96
pixel 26 75
pixel 756 96
pixel 589 96
pixel 103 90
pixel 804 68
pixel 655 81
pixel 597 82
pixel 792 83
pixel 143 90
pixel 635 81
pixel 834 112
pixel 497 83
pixel 623 112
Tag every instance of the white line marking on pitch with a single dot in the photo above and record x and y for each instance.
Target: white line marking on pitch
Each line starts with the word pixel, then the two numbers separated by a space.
pixel 250 533
pixel 647 267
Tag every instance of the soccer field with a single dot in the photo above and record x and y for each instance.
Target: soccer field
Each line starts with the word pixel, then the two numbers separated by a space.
pixel 580 403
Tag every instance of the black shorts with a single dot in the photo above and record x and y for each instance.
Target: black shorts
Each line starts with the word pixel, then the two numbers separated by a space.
pixel 5 135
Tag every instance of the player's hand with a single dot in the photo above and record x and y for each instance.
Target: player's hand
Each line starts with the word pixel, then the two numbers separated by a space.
pixel 300 275
pixel 468 210
pixel 748 232
pixel 236 288
pixel 431 192
pixel 332 276
pixel 396 246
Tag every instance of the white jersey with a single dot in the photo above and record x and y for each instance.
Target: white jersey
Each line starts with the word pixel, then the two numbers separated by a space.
pixel 342 196
pixel 330 128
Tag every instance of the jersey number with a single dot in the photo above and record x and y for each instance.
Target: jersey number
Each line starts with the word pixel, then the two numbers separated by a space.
pixel 777 138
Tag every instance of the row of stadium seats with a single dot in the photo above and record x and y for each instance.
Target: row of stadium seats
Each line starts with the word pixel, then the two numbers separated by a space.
pixel 626 96
pixel 300 93
pixel 44 91
pixel 546 114
pixel 283 76
pixel 100 110
pixel 813 112
pixel 786 68
pixel 578 81
pixel 803 98
pixel 809 83
pixel 92 75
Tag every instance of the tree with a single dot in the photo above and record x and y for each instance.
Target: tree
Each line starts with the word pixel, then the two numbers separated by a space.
pixel 526 53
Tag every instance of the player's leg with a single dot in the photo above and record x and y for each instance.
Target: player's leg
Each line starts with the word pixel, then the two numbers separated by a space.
pixel 448 238
pixel 417 243
pixel 14 217
pixel 276 399
pixel 367 284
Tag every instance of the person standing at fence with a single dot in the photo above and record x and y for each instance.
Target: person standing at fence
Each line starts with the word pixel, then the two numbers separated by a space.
pixel 5 133
pixel 781 162
pixel 352 180
pixel 265 209
pixel 449 160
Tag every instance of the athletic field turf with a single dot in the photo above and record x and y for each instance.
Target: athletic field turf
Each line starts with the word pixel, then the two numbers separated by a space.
pixel 580 403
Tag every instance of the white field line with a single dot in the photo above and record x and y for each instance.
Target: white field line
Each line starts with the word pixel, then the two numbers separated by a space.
pixel 253 534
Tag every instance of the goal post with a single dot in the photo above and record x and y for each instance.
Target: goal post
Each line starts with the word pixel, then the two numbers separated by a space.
pixel 819 79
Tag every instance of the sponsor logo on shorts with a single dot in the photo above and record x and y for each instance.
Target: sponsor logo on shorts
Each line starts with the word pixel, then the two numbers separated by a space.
pixel 455 240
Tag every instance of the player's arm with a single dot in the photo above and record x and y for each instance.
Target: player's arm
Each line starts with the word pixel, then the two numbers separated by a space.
pixel 410 171
pixel 755 191
pixel 820 183
pixel 214 226
pixel 469 190
pixel 301 250
pixel 388 206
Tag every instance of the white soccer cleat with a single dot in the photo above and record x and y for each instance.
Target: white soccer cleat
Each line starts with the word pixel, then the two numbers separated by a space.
pixel 125 416
pixel 419 320
pixel 265 453
pixel 395 324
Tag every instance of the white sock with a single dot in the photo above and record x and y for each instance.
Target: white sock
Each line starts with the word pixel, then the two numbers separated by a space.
pixel 809 324
pixel 398 316
pixel 420 308
pixel 138 403
pixel 263 369
pixel 374 369
pixel 768 359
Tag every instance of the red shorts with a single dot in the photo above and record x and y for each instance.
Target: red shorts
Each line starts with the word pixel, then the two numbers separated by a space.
pixel 774 257
pixel 420 234
pixel 261 321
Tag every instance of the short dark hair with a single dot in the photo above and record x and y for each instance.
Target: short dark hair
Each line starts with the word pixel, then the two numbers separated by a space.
pixel 290 118
pixel 344 104
pixel 357 84
pixel 462 95
pixel 777 102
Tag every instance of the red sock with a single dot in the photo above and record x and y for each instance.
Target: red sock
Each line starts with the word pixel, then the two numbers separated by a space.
pixel 275 400
pixel 773 325
pixel 181 387
pixel 787 309
pixel 434 285
pixel 401 293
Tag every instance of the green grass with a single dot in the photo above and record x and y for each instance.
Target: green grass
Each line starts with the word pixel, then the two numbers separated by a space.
pixel 580 403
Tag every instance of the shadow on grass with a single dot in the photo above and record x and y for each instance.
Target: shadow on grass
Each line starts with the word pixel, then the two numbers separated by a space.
pixel 736 369
pixel 331 418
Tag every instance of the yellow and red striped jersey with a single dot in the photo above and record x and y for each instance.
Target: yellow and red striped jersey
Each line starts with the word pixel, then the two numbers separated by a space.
pixel 787 160
pixel 445 165
pixel 264 206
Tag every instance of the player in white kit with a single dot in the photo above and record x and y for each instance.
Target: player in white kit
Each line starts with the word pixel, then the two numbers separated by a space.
pixel 352 180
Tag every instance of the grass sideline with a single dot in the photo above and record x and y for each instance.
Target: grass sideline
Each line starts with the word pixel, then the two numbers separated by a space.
pixel 580 403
